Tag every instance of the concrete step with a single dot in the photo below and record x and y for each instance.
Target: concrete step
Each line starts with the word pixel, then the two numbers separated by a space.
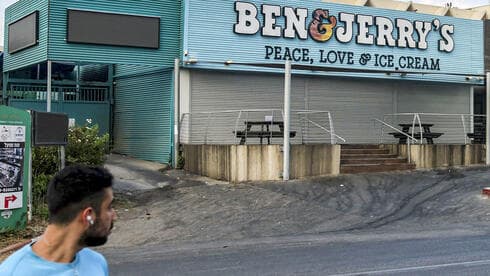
pixel 359 146
pixel 373 161
pixel 360 156
pixel 364 151
pixel 364 168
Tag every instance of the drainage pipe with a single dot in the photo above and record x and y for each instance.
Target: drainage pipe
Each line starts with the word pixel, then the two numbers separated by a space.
pixel 176 111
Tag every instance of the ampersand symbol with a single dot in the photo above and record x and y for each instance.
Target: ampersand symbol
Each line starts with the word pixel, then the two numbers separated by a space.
pixel 364 59
pixel 320 31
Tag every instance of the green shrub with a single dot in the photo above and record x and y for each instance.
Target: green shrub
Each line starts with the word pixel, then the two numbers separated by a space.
pixel 180 162
pixel 39 189
pixel 85 146
pixel 45 161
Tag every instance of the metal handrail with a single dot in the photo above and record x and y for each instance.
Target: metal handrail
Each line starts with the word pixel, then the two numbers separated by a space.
pixel 396 129
pixel 466 122
pixel 243 114
pixel 408 136
pixel 319 126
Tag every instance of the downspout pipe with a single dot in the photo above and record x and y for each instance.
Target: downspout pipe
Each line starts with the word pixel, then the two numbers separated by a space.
pixel 176 111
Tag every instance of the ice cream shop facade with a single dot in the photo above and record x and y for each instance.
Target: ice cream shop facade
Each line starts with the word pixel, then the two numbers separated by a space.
pixel 223 84
pixel 360 75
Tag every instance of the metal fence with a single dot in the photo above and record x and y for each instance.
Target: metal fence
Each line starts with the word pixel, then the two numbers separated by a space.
pixel 454 128
pixel 58 93
pixel 257 126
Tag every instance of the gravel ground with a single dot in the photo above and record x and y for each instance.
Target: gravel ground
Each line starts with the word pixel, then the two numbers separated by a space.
pixel 174 207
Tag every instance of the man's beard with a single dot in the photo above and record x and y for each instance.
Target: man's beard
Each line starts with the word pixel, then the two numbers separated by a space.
pixel 91 238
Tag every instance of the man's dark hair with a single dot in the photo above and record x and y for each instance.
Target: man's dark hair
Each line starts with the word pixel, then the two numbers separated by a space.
pixel 74 188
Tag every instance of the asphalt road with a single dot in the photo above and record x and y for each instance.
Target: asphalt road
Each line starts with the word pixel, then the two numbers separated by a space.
pixel 434 253
pixel 401 223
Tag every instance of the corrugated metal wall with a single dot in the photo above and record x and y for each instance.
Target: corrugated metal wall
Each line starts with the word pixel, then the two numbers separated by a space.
pixel 353 103
pixel 486 39
pixel 215 91
pixel 143 113
pixel 36 53
pixel 224 91
pixel 213 39
pixel 167 10
pixel 441 99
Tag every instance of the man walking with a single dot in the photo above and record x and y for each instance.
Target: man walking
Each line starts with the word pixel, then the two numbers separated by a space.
pixel 80 215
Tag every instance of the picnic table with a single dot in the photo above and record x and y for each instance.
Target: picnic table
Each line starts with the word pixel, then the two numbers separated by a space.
pixel 426 133
pixel 266 131
pixel 478 136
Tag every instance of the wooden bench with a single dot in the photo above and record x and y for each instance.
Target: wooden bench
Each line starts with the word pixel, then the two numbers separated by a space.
pixel 428 136
pixel 261 134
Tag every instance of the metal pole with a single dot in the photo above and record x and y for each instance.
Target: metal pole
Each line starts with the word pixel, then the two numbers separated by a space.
pixel 62 157
pixel 487 130
pixel 287 114
pixel 29 183
pixel 48 89
pixel 176 110
pixel 4 89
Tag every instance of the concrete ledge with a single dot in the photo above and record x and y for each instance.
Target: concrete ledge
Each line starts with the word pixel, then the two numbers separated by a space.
pixel 239 163
pixel 441 155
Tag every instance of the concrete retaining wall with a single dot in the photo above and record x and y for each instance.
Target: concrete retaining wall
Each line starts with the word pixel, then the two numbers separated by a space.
pixel 441 155
pixel 238 163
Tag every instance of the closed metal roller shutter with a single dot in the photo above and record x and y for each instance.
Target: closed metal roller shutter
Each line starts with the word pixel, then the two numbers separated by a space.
pixel 441 99
pixel 353 103
pixel 226 91
pixel 143 115
pixel 220 91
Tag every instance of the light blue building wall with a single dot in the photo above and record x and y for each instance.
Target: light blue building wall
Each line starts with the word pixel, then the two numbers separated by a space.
pixel 32 55
pixel 52 33
pixel 138 98
pixel 168 12
pixel 264 37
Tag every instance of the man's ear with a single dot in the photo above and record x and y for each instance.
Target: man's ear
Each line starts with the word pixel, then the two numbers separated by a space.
pixel 88 216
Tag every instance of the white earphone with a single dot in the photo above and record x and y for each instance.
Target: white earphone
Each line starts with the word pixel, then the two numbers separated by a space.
pixel 90 220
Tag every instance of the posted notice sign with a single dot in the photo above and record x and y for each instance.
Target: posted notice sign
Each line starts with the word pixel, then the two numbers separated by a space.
pixel 15 152
pixel 12 149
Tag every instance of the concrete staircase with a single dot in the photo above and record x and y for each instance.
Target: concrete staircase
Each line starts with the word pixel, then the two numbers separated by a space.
pixel 370 158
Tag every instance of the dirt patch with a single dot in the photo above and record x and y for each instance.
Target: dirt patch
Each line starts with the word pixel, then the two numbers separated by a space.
pixel 364 202
pixel 186 208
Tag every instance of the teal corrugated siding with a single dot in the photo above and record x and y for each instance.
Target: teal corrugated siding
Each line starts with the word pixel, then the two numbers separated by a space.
pixel 169 12
pixel 36 53
pixel 143 115
pixel 130 70
pixel 210 37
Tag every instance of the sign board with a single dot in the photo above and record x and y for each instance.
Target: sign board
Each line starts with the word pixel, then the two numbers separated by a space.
pixel 23 33
pixel 93 27
pixel 49 128
pixel 331 35
pixel 15 148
